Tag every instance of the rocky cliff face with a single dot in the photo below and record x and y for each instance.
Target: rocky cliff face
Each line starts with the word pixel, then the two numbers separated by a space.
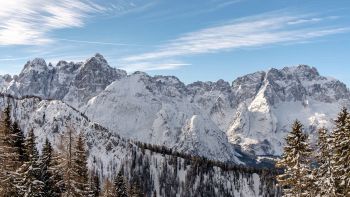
pixel 75 83
pixel 255 111
pixel 264 118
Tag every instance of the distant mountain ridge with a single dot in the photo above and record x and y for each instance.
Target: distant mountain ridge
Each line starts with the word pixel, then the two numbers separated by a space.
pixel 210 119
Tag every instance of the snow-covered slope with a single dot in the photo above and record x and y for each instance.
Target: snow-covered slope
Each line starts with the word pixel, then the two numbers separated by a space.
pixel 203 118
pixel 156 110
pixel 156 172
pixel 53 119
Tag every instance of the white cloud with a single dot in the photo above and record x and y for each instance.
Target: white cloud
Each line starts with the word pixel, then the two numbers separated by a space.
pixel 301 21
pixel 149 66
pixel 30 22
pixel 99 43
pixel 24 22
pixel 255 31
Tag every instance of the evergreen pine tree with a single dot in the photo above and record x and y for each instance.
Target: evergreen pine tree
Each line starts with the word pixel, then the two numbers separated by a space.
pixel 31 184
pixel 45 163
pixel 295 161
pixel 95 184
pixel 56 172
pixel 19 142
pixel 341 153
pixel 135 190
pixel 9 158
pixel 80 170
pixel 324 177
pixel 51 173
pixel 120 185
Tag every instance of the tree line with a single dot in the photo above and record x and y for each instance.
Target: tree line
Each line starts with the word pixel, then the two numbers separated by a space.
pixel 322 169
pixel 204 162
pixel 62 172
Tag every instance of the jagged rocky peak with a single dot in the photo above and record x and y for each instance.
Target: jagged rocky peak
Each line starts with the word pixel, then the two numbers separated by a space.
pixel 96 66
pixel 158 80
pixel 198 86
pixel 72 82
pixel 297 83
pixel 99 57
pixel 254 79
pixel 96 62
pixel 303 72
pixel 169 86
pixel 8 78
pixel 33 80
pixel 247 86
pixel 140 74
pixel 220 85
pixel 65 67
pixel 289 84
pixel 169 81
pixel 97 70
pixel 61 63
pixel 92 77
pixel 37 65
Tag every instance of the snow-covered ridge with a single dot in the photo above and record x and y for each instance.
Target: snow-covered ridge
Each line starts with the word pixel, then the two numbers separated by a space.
pixel 204 118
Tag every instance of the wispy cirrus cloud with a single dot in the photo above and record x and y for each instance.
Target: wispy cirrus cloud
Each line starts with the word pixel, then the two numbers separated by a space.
pixel 98 42
pixel 25 22
pixel 149 66
pixel 254 31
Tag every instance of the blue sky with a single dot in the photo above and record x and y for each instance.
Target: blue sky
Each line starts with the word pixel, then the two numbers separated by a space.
pixel 191 39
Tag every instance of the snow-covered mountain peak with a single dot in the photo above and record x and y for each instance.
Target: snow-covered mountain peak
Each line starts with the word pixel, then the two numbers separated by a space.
pixel 220 85
pixel 247 86
pixel 96 62
pixel 100 57
pixel 8 78
pixel 167 86
pixel 61 63
pixel 139 75
pixel 303 71
pixel 297 73
pixel 168 80
pixel 252 78
pixel 37 65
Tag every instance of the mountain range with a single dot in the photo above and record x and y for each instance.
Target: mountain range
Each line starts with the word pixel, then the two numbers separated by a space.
pixel 217 120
